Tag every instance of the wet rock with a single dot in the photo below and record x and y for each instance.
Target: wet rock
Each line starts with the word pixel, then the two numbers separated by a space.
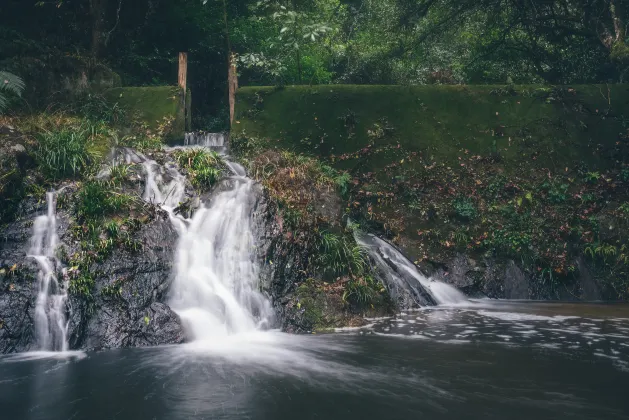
pixel 137 316
pixel 131 288
pixel 18 280
pixel 460 272
pixel 589 288
pixel 516 283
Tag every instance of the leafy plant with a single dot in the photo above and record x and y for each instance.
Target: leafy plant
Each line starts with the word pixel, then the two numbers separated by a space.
pixel 96 200
pixel 558 193
pixel 65 153
pixel 362 291
pixel 204 167
pixel 592 177
pixel 342 182
pixel 96 108
pixel 119 173
pixel 9 84
pixel 339 255
pixel 465 208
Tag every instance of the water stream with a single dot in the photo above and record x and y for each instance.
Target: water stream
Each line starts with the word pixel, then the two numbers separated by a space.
pixel 215 288
pixel 51 326
pixel 449 359
pixel 405 283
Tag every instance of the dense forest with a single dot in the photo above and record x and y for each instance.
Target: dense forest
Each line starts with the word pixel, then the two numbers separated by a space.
pixel 316 42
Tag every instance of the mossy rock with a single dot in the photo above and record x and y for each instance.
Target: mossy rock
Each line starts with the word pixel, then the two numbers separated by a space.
pixel 152 105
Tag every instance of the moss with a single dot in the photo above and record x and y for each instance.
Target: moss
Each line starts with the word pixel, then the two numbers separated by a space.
pixel 152 105
pixel 531 173
pixel 438 121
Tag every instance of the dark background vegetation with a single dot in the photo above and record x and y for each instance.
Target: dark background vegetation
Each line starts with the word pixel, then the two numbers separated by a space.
pixel 315 42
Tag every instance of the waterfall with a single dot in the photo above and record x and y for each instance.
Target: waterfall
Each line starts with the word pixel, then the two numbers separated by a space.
pixel 215 286
pixel 405 283
pixel 216 283
pixel 215 141
pixel 51 327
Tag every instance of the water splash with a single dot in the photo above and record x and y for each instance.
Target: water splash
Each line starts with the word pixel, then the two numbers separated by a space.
pixel 51 326
pixel 405 283
pixel 215 287
pixel 216 278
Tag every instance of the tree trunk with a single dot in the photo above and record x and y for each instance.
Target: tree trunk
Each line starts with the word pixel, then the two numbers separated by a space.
pixel 97 14
pixel 299 65
pixel 619 29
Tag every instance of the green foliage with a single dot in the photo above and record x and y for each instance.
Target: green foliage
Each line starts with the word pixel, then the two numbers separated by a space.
pixel 362 291
pixel 66 152
pixel 204 167
pixel 96 200
pixel 10 84
pixel 119 173
pixel 113 290
pixel 592 177
pixel 96 108
pixel 465 208
pixel 602 251
pixel 339 255
pixel 512 243
pixel 557 193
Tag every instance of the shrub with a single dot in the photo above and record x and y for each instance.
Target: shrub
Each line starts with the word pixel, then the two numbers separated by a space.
pixel 65 153
pixel 96 108
pixel 9 84
pixel 465 208
pixel 361 291
pixel 95 200
pixel 204 166
pixel 340 256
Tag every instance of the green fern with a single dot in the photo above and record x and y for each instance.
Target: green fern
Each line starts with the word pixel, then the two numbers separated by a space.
pixel 9 83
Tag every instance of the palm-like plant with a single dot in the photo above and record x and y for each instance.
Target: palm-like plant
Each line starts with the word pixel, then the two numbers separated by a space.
pixel 9 83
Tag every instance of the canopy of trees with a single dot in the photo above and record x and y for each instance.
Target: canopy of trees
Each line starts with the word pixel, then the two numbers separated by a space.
pixel 326 41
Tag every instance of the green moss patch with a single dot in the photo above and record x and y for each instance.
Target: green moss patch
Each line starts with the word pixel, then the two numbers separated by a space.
pixel 152 105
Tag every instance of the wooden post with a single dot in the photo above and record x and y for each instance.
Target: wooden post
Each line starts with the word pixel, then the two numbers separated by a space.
pixel 232 80
pixel 183 84
pixel 183 70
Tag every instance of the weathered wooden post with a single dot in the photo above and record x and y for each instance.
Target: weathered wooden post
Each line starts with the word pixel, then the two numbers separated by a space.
pixel 183 85
pixel 232 80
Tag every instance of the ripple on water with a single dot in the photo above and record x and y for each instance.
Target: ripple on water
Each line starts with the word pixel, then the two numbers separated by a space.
pixel 603 338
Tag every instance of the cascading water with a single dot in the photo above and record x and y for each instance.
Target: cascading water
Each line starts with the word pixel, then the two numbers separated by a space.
pixel 51 327
pixel 215 287
pixel 215 141
pixel 216 284
pixel 404 282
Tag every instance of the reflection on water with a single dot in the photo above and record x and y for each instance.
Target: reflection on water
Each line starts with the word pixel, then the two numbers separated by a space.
pixel 495 361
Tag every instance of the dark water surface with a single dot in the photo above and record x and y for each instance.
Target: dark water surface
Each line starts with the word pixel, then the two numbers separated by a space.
pixel 498 361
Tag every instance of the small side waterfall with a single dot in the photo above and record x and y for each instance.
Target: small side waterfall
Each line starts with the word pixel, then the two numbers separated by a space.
pixel 51 326
pixel 406 285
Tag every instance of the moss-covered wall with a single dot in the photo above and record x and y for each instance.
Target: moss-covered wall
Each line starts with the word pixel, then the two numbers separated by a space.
pixel 531 174
pixel 153 105
pixel 561 124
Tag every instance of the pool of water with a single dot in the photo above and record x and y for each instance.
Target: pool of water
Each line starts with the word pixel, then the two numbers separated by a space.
pixel 490 360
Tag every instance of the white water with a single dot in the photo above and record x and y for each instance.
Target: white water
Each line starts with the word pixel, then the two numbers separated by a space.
pixel 165 186
pixel 215 141
pixel 215 287
pixel 216 276
pixel 386 256
pixel 51 326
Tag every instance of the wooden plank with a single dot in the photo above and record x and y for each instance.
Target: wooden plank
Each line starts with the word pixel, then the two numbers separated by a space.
pixel 183 70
